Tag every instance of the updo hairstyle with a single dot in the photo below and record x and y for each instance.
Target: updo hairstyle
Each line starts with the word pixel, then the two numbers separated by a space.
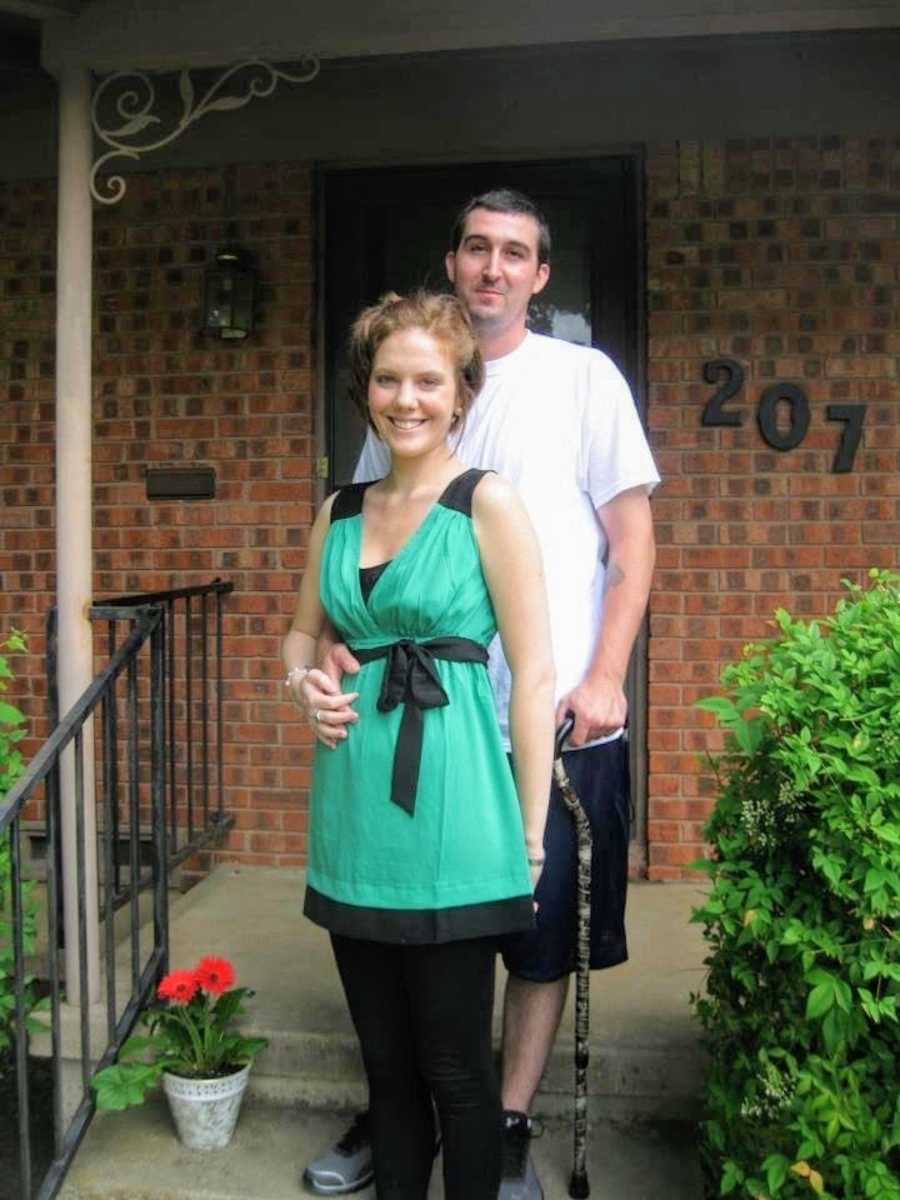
pixel 438 314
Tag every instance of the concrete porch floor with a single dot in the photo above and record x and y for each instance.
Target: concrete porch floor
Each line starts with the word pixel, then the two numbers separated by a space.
pixel 135 1156
pixel 644 1078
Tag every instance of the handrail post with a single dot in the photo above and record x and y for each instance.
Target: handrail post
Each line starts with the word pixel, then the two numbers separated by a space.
pixel 73 510
pixel 158 794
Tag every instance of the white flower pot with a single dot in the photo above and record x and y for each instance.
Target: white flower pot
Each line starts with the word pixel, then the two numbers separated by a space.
pixel 205 1111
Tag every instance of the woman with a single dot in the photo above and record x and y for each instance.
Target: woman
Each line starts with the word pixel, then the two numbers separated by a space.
pixel 423 847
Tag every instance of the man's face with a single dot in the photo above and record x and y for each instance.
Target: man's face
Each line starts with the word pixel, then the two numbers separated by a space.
pixel 495 268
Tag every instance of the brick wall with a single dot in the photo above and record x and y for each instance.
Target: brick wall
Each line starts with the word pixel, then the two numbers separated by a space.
pixel 166 395
pixel 27 351
pixel 784 256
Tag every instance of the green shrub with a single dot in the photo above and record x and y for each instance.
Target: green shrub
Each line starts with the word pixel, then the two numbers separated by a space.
pixel 12 722
pixel 12 730
pixel 801 1009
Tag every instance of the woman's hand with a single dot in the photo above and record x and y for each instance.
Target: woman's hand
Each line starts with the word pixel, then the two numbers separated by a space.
pixel 328 710
pixel 536 868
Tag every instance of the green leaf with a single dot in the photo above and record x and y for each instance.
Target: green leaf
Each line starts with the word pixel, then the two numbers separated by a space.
pixel 250 1047
pixel 830 868
pixel 819 1001
pixel 818 975
pixel 721 706
pixel 137 1045
pixel 228 1004
pixel 9 714
pixel 119 1087
pixel 703 864
pixel 875 879
pixel 776 1167
pixel 843 995
pixel 732 1175
pixel 875 966
pixel 869 1003
pixel 834 1030
pixel 748 734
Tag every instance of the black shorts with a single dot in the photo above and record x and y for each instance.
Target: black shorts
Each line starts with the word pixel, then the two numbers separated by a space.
pixel 599 776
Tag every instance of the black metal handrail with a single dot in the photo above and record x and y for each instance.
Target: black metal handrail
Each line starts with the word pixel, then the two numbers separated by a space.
pixel 43 773
pixel 193 822
pixel 215 823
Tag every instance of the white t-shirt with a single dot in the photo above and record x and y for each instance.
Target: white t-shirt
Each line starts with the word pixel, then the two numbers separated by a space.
pixel 557 420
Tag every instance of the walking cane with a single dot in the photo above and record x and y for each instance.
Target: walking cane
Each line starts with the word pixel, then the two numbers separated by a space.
pixel 579 1185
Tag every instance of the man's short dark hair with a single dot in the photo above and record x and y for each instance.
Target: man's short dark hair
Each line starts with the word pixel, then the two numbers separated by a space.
pixel 505 200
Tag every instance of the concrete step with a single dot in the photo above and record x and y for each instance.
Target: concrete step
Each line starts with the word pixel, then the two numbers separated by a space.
pixel 624 1082
pixel 645 1052
pixel 135 1156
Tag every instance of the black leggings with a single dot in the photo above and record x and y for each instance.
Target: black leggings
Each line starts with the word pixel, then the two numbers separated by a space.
pixel 423 1018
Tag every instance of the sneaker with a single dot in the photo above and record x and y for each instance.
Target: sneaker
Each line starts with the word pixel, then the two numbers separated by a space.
pixel 520 1181
pixel 347 1166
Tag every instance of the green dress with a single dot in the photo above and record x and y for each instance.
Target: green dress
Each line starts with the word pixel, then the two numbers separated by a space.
pixel 415 828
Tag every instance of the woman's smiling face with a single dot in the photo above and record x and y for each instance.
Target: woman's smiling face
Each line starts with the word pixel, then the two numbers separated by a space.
pixel 412 393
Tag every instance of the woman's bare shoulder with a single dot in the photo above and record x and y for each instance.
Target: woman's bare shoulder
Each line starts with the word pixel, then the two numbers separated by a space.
pixel 494 495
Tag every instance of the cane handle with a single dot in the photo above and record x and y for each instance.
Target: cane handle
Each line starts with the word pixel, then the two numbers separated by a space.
pixel 562 734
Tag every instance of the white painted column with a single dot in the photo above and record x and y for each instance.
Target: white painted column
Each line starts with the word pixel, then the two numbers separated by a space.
pixel 74 557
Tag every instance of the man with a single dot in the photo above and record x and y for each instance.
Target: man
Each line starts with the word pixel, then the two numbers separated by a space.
pixel 559 422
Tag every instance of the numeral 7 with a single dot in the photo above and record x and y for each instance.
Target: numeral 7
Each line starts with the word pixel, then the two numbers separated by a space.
pixel 852 415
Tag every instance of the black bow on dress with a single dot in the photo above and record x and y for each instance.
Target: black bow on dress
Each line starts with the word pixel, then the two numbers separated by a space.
pixel 411 679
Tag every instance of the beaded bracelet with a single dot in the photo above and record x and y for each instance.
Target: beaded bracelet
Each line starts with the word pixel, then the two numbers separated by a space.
pixel 302 672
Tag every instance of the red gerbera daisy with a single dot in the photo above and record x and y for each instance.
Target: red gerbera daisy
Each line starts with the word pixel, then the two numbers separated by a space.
pixel 178 986
pixel 214 975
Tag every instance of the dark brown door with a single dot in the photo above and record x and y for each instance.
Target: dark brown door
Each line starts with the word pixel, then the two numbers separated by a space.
pixel 389 229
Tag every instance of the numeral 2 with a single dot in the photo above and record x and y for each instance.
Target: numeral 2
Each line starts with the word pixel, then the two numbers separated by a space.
pixel 714 413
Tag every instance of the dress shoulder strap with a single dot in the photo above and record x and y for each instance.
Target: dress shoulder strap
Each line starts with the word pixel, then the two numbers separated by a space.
pixel 349 501
pixel 458 493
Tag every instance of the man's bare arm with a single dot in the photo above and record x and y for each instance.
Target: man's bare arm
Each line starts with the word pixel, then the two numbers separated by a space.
pixel 320 691
pixel 598 702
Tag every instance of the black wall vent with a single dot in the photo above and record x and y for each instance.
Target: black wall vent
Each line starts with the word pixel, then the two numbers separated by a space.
pixel 192 483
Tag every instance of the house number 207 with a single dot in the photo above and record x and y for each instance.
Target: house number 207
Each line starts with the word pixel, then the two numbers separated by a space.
pixel 794 404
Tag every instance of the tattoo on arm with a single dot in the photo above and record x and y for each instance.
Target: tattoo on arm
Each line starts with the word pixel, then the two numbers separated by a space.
pixel 614 576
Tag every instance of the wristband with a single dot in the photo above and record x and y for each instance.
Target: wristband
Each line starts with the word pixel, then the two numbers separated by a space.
pixel 294 673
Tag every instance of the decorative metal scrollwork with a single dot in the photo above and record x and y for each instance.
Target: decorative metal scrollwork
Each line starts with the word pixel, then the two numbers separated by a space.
pixel 134 110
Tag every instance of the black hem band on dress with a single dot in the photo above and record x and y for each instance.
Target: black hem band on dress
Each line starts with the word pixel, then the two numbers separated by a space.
pixel 420 927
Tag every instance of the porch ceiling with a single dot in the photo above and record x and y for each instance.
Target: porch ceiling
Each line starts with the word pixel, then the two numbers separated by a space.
pixel 43 8
pixel 20 45
pixel 112 35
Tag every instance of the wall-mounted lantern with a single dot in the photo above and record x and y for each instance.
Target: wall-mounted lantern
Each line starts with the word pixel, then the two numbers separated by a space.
pixel 228 295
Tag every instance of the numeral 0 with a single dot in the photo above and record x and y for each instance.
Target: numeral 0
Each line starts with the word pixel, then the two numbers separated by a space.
pixel 767 416
pixel 715 413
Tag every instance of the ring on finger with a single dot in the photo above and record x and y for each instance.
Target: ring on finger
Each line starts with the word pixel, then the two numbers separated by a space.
pixel 317 716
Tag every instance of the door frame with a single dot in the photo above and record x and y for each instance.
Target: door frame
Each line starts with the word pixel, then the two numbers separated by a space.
pixel 632 159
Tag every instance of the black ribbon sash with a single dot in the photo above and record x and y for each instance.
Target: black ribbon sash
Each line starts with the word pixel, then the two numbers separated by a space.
pixel 411 679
